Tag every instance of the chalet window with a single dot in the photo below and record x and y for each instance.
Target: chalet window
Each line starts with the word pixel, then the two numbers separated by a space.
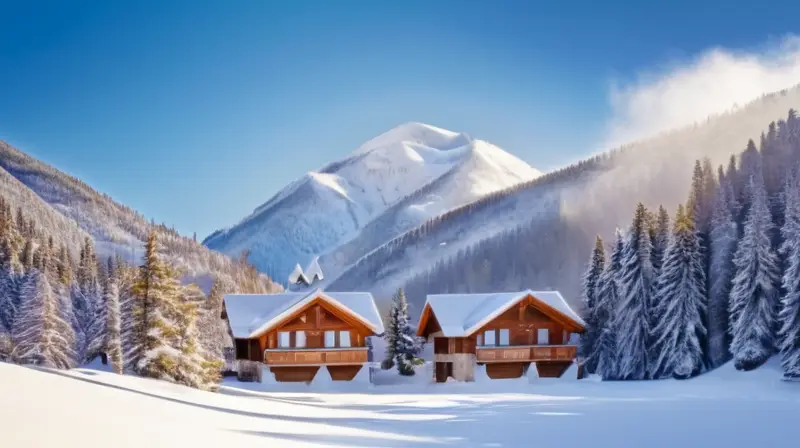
pixel 480 340
pixel 504 336
pixel 241 348
pixel 543 337
pixel 330 339
pixel 488 338
pixel 284 339
pixel 344 339
pixel 300 339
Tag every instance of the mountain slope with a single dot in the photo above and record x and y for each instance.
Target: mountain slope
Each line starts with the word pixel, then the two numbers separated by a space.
pixel 66 206
pixel 387 186
pixel 546 226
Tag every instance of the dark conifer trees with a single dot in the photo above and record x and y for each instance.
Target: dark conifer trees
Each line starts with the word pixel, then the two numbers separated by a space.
pixel 589 298
pixel 678 333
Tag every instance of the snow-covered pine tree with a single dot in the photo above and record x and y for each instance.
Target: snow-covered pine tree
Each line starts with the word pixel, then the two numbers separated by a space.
pixel 605 349
pixel 722 246
pixel 92 319
pixel 390 335
pixel 407 345
pixel 678 333
pixel 194 368
pixel 636 284
pixel 113 335
pixel 595 268
pixel 789 316
pixel 660 239
pixel 754 297
pixel 40 334
pixel 158 290
pixel 130 314
pixel 212 329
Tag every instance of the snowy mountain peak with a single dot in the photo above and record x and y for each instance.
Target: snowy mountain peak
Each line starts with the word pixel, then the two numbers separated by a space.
pixel 420 134
pixel 390 184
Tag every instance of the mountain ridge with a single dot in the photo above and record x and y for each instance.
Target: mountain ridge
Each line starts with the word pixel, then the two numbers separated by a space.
pixel 348 195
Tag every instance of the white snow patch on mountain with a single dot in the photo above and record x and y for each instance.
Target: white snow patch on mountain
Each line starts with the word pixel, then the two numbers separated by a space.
pixel 399 179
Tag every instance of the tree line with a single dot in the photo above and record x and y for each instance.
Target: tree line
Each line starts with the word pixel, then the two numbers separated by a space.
pixel 59 312
pixel 721 281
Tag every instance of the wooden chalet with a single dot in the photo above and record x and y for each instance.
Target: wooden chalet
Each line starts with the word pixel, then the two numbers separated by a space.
pixel 505 332
pixel 293 335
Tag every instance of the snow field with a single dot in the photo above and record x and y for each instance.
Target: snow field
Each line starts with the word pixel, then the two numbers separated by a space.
pixel 88 408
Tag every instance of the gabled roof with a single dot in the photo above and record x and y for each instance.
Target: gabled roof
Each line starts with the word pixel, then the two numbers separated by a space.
pixel 250 315
pixel 297 276
pixel 460 315
pixel 314 271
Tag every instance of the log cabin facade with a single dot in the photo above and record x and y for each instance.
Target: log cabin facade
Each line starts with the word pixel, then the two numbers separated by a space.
pixel 505 333
pixel 292 336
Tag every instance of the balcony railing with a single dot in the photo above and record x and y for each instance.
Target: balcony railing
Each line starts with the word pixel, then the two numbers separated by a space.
pixel 315 356
pixel 526 353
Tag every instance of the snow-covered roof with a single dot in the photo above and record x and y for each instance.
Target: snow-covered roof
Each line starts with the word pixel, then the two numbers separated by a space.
pixel 460 315
pixel 250 315
pixel 314 271
pixel 298 276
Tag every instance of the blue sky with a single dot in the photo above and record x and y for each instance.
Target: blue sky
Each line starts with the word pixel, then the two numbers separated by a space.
pixel 194 113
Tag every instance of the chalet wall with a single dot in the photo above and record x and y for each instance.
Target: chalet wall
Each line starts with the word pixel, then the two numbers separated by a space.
pixel 506 370
pixel 463 365
pixel 523 322
pixel 344 373
pixel 552 369
pixel 294 374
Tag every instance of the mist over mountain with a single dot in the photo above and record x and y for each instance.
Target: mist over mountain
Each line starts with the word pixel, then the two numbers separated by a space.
pixel 390 184
pixel 538 234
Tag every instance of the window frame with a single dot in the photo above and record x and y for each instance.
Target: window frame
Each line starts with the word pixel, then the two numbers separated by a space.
pixel 288 335
pixel 486 338
pixel 298 336
pixel 539 332
pixel 500 334
pixel 325 339
pixel 345 334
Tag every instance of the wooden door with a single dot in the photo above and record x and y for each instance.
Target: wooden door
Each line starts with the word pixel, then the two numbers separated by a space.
pixel 443 371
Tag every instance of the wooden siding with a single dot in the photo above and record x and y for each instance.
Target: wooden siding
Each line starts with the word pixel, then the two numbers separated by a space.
pixel 523 322
pixel 314 357
pixel 526 353
pixel 294 374
pixel 451 346
pixel 552 369
pixel 505 370
pixel 344 373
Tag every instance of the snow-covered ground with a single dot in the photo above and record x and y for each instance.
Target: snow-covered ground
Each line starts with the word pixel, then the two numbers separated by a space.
pixel 88 408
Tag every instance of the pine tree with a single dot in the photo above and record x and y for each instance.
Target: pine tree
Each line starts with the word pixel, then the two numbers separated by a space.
pixel 681 298
pixel 789 316
pixel 195 367
pixel 722 246
pixel 212 330
pixel 390 335
pixel 605 349
pixel 589 299
pixel 753 297
pixel 407 345
pixel 40 334
pixel 660 239
pixel 112 346
pixel 27 256
pixel 636 284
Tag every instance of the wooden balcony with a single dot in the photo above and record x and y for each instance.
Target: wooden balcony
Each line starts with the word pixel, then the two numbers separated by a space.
pixel 527 353
pixel 315 357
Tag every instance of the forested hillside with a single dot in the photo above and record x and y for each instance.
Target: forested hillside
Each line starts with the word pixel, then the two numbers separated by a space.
pixel 44 193
pixel 537 234
pixel 721 282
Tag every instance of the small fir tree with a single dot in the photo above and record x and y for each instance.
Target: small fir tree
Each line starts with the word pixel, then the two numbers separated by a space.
pixel 680 297
pixel 589 298
pixel 789 317
pixel 754 297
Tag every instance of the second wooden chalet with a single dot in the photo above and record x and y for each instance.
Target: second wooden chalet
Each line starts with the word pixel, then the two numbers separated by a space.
pixel 293 335
pixel 505 332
